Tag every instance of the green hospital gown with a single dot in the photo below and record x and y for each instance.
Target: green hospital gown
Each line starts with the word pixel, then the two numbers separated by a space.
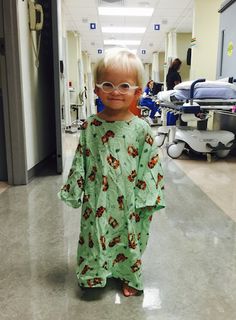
pixel 117 177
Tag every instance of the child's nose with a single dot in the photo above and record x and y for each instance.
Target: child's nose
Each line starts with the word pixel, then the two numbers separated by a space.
pixel 115 91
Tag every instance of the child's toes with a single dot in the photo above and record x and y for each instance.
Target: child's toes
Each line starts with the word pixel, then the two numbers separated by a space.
pixel 129 291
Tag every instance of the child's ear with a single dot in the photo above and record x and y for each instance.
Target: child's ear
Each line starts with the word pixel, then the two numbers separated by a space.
pixel 96 91
pixel 138 92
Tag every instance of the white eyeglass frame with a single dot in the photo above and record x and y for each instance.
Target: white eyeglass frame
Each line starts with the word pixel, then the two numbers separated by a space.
pixel 100 85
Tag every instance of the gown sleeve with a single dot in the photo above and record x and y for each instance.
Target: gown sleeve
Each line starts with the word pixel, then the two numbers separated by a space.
pixel 71 192
pixel 150 185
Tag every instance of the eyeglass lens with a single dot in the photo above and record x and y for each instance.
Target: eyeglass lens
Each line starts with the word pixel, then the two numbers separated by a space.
pixel 122 87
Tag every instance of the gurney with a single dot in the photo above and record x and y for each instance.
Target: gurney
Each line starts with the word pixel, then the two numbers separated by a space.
pixel 219 90
pixel 195 105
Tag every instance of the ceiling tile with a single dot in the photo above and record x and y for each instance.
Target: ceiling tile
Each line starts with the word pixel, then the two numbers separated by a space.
pixel 78 15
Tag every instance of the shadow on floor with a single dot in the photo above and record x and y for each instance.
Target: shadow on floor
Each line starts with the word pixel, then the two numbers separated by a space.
pixel 91 294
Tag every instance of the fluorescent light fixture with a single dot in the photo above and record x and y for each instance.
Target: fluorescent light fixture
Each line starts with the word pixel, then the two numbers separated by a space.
pixel 122 42
pixel 123 30
pixel 123 11
pixel 132 50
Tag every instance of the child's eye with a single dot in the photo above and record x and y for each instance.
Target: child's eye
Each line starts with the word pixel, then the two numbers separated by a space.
pixel 107 85
pixel 124 86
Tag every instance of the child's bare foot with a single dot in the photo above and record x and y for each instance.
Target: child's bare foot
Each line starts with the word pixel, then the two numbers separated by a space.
pixel 129 291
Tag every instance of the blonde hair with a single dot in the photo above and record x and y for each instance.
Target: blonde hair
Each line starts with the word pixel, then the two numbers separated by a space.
pixel 123 59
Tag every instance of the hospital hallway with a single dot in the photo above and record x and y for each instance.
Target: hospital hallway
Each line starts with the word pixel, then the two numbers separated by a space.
pixel 189 267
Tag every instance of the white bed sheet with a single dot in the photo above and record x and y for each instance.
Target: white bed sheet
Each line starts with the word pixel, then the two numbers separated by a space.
pixel 223 93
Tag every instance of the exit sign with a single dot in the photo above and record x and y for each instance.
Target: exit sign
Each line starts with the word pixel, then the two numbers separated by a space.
pixel 156 26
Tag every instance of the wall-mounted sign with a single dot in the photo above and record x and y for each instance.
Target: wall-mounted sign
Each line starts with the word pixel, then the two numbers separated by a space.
pixel 143 51
pixel 92 26
pixel 99 51
pixel 230 49
pixel 157 26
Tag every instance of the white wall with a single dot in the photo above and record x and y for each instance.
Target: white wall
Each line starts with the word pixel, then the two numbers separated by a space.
pixel 73 57
pixel 90 106
pixel 183 41
pixel 161 62
pixel 77 68
pixel 147 75
pixel 29 86
pixel 206 31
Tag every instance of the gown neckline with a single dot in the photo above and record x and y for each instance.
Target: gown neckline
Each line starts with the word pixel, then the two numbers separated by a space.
pixel 112 121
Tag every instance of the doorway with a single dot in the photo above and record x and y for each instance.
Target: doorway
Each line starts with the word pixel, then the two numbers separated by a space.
pixel 12 136
pixel 3 156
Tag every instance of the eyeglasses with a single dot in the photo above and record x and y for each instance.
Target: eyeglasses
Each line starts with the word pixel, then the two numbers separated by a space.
pixel 123 87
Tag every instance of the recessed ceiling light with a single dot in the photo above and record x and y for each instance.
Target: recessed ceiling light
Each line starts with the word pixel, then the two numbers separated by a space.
pixel 122 42
pixel 123 30
pixel 111 1
pixel 112 46
pixel 124 11
pixel 144 4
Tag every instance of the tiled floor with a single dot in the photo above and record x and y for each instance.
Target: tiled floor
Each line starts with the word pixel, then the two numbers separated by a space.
pixel 189 265
pixel 3 186
pixel 216 179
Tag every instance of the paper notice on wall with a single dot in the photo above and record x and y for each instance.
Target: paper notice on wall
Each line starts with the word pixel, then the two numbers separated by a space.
pixel 230 49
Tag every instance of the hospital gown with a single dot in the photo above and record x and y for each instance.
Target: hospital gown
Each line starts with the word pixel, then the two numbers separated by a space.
pixel 117 177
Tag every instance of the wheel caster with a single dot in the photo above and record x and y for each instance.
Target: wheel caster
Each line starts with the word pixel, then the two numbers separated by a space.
pixel 223 153
pixel 175 150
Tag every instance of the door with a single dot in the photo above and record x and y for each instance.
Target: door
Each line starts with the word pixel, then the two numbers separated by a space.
pixel 227 43
pixel 3 159
pixel 58 82
pixel 50 77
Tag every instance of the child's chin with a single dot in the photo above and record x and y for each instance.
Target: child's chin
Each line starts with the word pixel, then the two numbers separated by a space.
pixel 116 106
pixel 116 103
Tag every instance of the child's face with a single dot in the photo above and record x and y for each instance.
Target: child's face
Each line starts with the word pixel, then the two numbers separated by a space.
pixel 116 100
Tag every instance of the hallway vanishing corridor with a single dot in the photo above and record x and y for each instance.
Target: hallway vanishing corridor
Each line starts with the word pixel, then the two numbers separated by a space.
pixel 189 265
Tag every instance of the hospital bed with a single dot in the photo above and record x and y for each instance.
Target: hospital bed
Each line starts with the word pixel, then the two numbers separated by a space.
pixel 192 101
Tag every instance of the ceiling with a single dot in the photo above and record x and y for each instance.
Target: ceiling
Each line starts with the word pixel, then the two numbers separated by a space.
pixel 168 14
